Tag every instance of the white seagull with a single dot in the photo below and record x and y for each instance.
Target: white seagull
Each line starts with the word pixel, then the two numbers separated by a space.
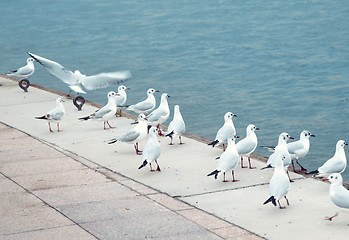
pixel 105 113
pixel 145 106
pixel 161 114
pixel 25 71
pixel 122 97
pixel 280 149
pixel 279 184
pixel 55 115
pixel 134 135
pixel 336 164
pixel 339 194
pixel 300 148
pixel 76 81
pixel 227 161
pixel 176 126
pixel 227 130
pixel 151 151
pixel 247 145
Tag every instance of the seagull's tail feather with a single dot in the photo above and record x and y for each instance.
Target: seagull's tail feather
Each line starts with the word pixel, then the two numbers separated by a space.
pixel 213 143
pixel 111 141
pixel 269 148
pixel 42 117
pixel 170 134
pixel 215 173
pixel 143 164
pixel 315 172
pixel 268 166
pixel 271 199
pixel 84 118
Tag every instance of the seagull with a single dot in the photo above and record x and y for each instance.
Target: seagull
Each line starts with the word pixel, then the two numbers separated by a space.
pixel 76 80
pixel 176 126
pixel 297 149
pixel 55 115
pixel 161 114
pixel 105 113
pixel 300 148
pixel 151 151
pixel 280 149
pixel 227 161
pixel 134 135
pixel 339 195
pixel 336 164
pixel 247 145
pixel 279 184
pixel 121 99
pixel 145 106
pixel 225 131
pixel 25 71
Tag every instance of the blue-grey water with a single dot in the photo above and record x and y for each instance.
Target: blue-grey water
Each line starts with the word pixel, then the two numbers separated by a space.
pixel 281 65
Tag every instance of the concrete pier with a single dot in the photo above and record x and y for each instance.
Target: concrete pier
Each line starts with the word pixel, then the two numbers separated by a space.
pixel 72 185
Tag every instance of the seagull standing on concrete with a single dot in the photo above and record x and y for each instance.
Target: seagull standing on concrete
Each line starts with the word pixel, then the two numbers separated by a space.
pixel 247 145
pixel 279 184
pixel 121 98
pixel 105 113
pixel 300 148
pixel 176 126
pixel 134 135
pixel 76 81
pixel 336 164
pixel 280 149
pixel 145 106
pixel 55 115
pixel 151 150
pixel 25 71
pixel 161 114
pixel 339 195
pixel 227 130
pixel 227 161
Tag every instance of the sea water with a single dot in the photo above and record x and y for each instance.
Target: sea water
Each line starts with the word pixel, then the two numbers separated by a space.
pixel 281 65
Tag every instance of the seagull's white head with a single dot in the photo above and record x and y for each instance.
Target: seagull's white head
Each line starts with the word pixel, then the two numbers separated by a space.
pixel 30 60
pixel 284 137
pixel 229 115
pixel 122 88
pixel 151 91
pixel 306 134
pixel 112 94
pixel 142 117
pixel 251 128
pixel 335 178
pixel 341 144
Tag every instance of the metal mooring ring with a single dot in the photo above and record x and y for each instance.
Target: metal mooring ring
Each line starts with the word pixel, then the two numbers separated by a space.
pixel 79 101
pixel 24 84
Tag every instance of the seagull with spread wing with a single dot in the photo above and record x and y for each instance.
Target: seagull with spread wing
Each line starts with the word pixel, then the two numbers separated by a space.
pixel 77 81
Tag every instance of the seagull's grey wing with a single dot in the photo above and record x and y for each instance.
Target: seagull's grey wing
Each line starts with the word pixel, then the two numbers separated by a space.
pixel 104 80
pixel 340 197
pixel 332 166
pixel 294 146
pixel 55 114
pixel 156 115
pixel 101 112
pixel 245 146
pixel 56 69
pixel 142 106
pixel 129 136
pixel 26 70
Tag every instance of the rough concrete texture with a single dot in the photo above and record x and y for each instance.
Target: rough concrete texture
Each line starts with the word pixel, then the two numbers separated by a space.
pixel 99 188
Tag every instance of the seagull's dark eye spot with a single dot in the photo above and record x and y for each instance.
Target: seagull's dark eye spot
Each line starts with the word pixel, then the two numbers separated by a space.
pixel 336 177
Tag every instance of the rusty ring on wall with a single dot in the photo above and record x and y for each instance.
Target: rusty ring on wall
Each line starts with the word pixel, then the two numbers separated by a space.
pixel 79 101
pixel 24 84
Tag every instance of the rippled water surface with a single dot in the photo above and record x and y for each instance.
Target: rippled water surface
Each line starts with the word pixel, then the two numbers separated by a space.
pixel 283 66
